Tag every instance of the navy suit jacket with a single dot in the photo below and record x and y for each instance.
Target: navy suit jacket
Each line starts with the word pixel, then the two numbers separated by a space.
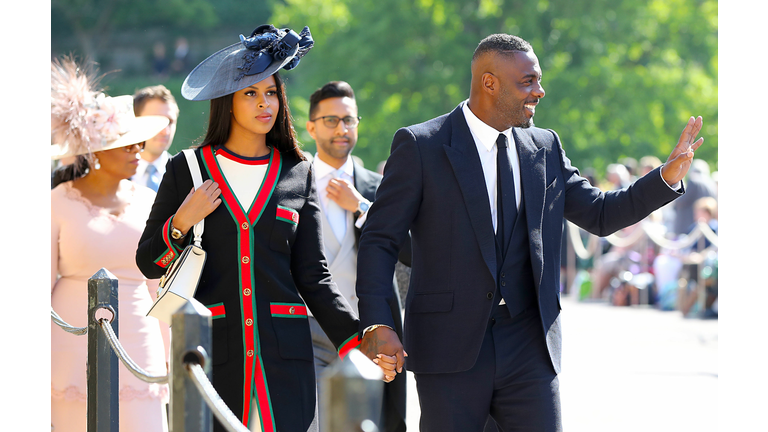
pixel 433 185
pixel 394 408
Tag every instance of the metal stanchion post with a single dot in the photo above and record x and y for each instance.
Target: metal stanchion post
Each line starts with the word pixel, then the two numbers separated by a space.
pixel 352 394
pixel 645 292
pixel 572 290
pixel 191 341
pixel 102 368
pixel 701 288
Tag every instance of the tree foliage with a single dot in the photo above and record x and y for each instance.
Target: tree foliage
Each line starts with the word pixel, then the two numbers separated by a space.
pixel 93 21
pixel 621 76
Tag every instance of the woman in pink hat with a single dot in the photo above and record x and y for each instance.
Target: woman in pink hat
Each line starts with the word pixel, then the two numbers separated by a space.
pixel 97 215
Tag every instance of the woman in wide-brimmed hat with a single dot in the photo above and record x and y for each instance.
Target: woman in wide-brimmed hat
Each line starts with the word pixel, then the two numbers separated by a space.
pixel 97 215
pixel 265 262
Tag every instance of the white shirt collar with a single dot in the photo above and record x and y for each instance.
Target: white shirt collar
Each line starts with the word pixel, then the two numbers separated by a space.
pixel 322 169
pixel 483 134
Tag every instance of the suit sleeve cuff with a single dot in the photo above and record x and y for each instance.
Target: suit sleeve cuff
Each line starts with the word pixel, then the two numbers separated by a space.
pixel 352 343
pixel 374 327
pixel 361 220
pixel 677 187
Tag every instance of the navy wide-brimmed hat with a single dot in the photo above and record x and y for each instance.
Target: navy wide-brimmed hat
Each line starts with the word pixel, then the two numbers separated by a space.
pixel 247 62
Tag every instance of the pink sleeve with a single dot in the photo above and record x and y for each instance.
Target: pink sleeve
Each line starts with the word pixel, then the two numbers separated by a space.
pixel 54 248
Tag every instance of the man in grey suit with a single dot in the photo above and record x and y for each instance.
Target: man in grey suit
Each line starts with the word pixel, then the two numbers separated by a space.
pixel 483 194
pixel 346 191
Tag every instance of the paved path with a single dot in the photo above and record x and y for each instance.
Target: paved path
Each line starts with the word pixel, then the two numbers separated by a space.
pixel 631 369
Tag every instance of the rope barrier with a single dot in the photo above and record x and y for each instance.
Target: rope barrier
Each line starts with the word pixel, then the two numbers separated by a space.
pixel 116 347
pixel 700 230
pixel 222 412
pixel 578 245
pixel 127 361
pixel 79 331
pixel 630 239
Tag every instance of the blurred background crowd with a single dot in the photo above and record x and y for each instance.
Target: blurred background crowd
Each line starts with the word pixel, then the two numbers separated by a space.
pixel 668 261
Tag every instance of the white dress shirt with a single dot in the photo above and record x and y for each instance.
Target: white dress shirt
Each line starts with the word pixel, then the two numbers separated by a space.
pixel 337 216
pixel 485 140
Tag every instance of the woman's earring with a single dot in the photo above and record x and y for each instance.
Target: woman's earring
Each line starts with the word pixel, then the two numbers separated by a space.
pixel 96 164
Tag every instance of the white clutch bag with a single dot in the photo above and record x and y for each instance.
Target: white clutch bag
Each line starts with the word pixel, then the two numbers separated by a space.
pixel 179 283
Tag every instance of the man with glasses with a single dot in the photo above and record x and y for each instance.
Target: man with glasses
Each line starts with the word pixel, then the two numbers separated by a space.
pixel 346 191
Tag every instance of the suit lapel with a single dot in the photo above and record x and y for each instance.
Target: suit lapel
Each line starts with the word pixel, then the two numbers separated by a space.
pixel 533 178
pixel 364 183
pixel 462 154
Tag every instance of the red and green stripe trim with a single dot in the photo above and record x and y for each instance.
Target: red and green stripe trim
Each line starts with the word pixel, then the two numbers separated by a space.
pixel 255 378
pixel 171 252
pixel 267 187
pixel 288 310
pixel 217 310
pixel 348 345
pixel 262 399
pixel 286 214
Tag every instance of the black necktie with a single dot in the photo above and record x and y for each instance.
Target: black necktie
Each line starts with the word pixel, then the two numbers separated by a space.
pixel 506 212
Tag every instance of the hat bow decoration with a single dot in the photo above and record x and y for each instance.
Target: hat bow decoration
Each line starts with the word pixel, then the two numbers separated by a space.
pixel 246 62
pixel 267 44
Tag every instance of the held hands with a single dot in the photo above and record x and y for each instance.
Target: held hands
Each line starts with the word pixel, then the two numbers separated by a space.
pixel 387 365
pixel 383 347
pixel 343 193
pixel 676 166
pixel 197 205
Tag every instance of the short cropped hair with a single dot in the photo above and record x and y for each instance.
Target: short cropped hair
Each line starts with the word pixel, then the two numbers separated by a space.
pixel 501 43
pixel 142 96
pixel 334 89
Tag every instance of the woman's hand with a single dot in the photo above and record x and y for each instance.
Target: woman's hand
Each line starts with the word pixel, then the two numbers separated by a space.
pixel 197 205
pixel 387 365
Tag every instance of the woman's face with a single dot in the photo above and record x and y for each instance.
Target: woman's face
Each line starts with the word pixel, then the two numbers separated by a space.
pixel 255 108
pixel 121 162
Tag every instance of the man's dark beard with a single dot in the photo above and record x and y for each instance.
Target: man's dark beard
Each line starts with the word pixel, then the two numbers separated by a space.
pixel 527 124
pixel 513 113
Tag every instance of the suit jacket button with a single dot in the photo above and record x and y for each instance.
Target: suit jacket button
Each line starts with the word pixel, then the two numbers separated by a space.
pixel 503 283
pixel 489 295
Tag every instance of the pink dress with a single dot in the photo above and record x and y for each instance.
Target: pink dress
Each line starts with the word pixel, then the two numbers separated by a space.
pixel 85 238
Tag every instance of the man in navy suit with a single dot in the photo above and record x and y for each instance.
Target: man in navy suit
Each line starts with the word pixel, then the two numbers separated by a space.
pixel 483 310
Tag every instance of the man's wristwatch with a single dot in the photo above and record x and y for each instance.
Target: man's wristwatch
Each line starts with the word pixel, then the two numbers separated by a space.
pixel 176 234
pixel 362 207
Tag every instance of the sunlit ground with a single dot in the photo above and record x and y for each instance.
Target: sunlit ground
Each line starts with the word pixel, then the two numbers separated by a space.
pixel 631 369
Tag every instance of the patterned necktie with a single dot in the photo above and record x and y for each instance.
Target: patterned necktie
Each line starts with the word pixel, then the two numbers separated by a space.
pixel 152 181
pixel 506 212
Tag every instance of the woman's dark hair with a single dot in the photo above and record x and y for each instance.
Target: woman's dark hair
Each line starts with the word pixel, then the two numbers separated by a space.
pixel 282 136
pixel 70 172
